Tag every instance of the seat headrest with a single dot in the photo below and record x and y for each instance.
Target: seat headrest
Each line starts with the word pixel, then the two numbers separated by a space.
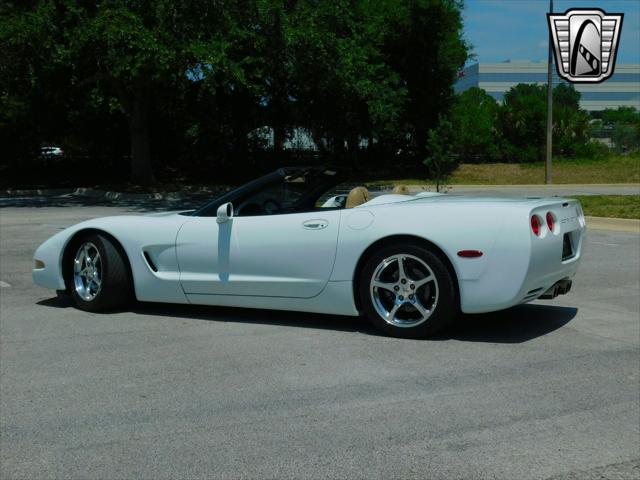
pixel 401 190
pixel 357 196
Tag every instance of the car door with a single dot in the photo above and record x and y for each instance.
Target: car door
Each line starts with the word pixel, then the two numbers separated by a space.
pixel 284 255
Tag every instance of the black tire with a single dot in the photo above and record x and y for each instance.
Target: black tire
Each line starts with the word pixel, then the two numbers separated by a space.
pixel 447 306
pixel 116 288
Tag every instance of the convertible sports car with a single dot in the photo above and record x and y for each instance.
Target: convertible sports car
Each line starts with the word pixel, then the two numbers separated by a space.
pixel 293 240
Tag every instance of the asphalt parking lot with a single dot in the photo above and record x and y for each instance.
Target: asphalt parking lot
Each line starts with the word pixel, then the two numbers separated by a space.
pixel 547 390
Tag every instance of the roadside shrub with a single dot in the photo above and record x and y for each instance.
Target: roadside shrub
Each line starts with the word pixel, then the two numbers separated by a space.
pixel 441 161
pixel 523 118
pixel 626 137
pixel 592 150
pixel 475 133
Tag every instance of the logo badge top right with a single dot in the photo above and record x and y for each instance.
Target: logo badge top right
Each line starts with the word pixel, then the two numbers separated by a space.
pixel 585 43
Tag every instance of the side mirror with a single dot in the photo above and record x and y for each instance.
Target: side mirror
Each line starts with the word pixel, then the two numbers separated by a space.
pixel 225 212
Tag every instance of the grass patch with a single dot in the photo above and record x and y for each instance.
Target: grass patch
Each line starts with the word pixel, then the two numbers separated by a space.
pixel 615 169
pixel 614 206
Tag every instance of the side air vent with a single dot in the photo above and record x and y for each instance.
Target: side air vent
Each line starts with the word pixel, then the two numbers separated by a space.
pixel 152 265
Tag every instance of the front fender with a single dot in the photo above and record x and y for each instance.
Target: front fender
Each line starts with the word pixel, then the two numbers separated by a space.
pixel 48 273
pixel 136 234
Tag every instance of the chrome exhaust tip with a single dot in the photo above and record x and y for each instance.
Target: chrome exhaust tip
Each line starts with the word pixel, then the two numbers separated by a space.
pixel 559 288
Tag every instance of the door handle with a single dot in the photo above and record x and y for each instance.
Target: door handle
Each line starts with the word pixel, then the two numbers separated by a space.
pixel 317 224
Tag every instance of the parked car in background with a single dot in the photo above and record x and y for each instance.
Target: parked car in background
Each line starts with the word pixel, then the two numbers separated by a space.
pixel 51 152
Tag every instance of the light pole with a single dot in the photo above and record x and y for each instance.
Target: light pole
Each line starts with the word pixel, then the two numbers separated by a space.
pixel 547 163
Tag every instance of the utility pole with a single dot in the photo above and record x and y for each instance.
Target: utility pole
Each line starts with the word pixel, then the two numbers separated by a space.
pixel 547 163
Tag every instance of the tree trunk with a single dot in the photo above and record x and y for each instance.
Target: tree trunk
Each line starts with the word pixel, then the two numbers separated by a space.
pixel 279 136
pixel 141 171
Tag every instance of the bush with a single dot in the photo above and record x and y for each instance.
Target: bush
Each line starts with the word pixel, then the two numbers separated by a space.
pixel 623 125
pixel 626 137
pixel 592 150
pixel 523 119
pixel 441 162
pixel 516 130
pixel 475 133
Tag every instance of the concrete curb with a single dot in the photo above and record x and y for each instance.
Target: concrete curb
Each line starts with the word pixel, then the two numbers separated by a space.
pixel 552 186
pixel 108 195
pixel 489 186
pixel 37 192
pixel 613 224
pixel 562 190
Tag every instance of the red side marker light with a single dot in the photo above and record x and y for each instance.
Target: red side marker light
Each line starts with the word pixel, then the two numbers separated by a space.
pixel 469 253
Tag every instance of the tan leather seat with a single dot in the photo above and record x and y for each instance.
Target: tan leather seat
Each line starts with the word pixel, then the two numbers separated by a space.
pixel 401 189
pixel 357 196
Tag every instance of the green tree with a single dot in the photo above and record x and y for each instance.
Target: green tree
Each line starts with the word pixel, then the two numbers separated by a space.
pixel 474 119
pixel 625 115
pixel 193 79
pixel 426 49
pixel 522 120
pixel 344 89
pixel 623 124
pixel 626 137
pixel 440 160
pixel 570 123
pixel 116 56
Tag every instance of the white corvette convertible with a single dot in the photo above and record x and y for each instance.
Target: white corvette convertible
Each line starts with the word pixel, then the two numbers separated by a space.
pixel 291 241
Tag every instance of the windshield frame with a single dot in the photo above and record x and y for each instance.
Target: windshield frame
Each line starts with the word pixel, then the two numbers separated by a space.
pixel 210 209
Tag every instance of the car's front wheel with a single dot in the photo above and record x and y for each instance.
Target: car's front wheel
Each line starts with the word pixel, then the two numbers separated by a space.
pixel 98 277
pixel 407 291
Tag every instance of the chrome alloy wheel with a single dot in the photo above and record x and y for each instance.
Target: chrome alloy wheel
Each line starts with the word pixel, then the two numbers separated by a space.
pixel 87 271
pixel 404 290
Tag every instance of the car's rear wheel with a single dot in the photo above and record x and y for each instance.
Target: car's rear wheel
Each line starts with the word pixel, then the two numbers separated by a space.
pixel 407 291
pixel 98 279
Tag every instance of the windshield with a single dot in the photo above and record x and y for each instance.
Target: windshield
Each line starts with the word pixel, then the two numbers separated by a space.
pixel 288 190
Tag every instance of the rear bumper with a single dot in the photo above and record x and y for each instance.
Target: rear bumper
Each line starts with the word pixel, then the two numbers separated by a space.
pixel 549 271
pixel 524 269
pixel 501 296
pixel 537 286
pixel 559 288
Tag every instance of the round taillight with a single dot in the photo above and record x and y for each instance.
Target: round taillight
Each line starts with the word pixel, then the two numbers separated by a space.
pixel 536 225
pixel 551 221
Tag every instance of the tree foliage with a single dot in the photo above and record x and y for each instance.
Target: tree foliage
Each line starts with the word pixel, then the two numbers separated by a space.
pixel 570 123
pixel 515 131
pixel 182 83
pixel 623 126
pixel 440 160
pixel 523 119
pixel 475 132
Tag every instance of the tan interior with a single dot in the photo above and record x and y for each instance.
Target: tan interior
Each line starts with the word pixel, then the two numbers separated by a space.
pixel 357 196
pixel 401 189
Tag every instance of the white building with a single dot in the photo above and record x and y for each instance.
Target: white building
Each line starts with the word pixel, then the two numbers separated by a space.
pixel 621 89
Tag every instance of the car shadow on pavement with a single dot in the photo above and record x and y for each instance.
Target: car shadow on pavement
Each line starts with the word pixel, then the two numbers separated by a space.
pixel 515 325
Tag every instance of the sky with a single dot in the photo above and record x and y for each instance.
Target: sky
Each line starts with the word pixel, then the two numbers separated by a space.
pixel 502 30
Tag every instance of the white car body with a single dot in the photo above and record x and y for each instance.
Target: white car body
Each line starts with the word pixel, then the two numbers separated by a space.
pixel 309 261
